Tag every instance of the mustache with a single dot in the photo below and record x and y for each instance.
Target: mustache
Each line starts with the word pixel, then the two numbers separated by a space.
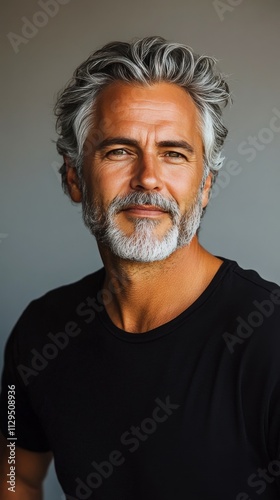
pixel 155 199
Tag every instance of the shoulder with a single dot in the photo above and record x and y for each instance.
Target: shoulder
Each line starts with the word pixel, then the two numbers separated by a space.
pixel 63 297
pixel 253 311
pixel 71 293
pixel 244 287
pixel 54 311
pixel 252 342
pixel 251 279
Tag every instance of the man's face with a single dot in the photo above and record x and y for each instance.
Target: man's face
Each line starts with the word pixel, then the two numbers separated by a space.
pixel 142 174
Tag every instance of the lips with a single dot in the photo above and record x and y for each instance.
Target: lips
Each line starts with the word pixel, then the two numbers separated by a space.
pixel 144 210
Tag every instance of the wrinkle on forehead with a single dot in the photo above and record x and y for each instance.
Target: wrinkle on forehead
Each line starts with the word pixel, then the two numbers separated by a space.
pixel 157 110
pixel 116 95
pixel 152 105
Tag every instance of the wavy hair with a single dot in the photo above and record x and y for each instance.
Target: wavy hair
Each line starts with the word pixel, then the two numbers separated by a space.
pixel 143 61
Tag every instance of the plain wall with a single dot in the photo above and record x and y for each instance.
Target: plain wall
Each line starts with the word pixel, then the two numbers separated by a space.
pixel 43 242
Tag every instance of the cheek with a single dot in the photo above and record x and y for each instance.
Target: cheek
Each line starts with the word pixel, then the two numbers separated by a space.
pixel 105 186
pixel 183 188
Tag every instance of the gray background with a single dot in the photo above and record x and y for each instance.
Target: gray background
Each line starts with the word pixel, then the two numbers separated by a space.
pixel 43 242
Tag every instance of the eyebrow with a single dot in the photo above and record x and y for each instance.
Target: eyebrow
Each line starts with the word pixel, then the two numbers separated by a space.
pixel 110 141
pixel 176 144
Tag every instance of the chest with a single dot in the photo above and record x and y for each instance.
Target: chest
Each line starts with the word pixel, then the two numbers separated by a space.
pixel 170 417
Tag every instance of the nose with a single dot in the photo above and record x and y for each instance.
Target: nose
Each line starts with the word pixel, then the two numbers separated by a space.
pixel 147 174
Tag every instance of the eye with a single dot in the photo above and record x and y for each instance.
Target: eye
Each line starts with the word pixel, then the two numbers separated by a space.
pixel 117 152
pixel 175 155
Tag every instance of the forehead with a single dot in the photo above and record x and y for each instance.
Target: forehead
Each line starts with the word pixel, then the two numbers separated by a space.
pixel 160 102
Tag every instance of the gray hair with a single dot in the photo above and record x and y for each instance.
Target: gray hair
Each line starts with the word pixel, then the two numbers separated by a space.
pixel 144 61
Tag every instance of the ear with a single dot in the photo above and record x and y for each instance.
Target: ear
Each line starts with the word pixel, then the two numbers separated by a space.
pixel 73 182
pixel 206 190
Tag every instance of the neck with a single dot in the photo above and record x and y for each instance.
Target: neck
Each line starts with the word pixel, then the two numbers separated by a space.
pixel 147 295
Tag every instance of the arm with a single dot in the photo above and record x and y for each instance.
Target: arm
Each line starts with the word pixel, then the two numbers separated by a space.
pixel 30 469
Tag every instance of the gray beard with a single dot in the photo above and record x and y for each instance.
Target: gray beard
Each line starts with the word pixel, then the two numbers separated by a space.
pixel 143 245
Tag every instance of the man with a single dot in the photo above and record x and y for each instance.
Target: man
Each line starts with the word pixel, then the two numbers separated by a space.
pixel 156 377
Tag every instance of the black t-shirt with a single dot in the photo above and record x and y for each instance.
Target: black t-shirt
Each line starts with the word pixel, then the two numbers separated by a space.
pixel 189 410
